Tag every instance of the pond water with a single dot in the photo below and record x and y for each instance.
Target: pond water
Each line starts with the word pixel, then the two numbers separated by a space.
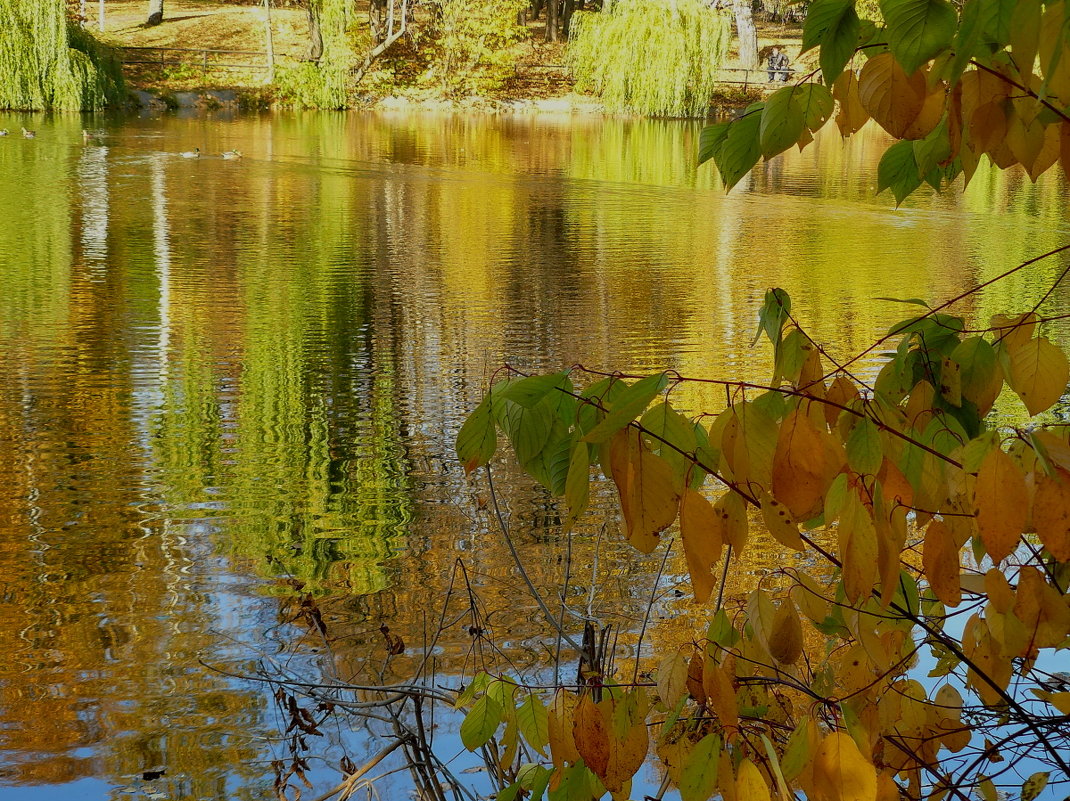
pixel 230 391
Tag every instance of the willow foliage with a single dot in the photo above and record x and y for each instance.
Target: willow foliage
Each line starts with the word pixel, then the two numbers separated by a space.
pixel 48 63
pixel 683 43
pixel 324 84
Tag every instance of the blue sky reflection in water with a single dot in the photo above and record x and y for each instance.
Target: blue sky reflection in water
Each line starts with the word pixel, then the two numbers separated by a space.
pixel 229 385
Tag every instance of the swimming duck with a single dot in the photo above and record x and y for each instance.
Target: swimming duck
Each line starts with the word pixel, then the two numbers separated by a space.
pixel 192 154
pixel 3 131
pixel 232 154
pixel 29 134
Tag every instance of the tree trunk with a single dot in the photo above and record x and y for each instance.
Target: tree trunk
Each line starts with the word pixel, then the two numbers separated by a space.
pixel 155 12
pixel 315 35
pixel 748 36
pixel 551 20
pixel 566 16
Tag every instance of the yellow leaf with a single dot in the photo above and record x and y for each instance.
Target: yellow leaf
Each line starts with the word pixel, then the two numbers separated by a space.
pixel 1002 502
pixel 1064 147
pixel 702 535
pixel 893 98
pixel 560 728
pixel 647 487
pixel 722 697
pixel 940 559
pixel 841 772
pixel 1039 372
pixel 932 111
pixel 851 116
pixel 1014 329
pixel 779 522
pixel 672 679
pixel 842 392
pixel 802 467
pixel 750 786
pixel 810 597
pixel 786 636
pixel 733 513
pixel 1051 513
pixel 628 738
pixel 1060 701
pixel 857 538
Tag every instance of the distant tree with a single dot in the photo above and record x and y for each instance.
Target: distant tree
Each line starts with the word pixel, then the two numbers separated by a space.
pixel 155 12
pixel 746 32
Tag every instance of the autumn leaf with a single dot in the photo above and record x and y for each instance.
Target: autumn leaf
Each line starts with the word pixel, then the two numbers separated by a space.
pixel 1051 513
pixel 702 535
pixel 841 772
pixel 940 559
pixel 648 494
pixel 1002 502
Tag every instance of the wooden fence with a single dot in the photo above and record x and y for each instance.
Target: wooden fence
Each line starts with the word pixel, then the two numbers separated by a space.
pixel 204 58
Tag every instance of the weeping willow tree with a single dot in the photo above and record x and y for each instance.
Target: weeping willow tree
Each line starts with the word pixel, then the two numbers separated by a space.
pixel 47 62
pixel 323 80
pixel 683 43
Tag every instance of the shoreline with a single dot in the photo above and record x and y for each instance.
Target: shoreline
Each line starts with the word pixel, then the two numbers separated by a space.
pixel 245 99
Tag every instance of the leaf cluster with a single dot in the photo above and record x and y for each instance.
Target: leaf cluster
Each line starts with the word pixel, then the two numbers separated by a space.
pixel 916 526
pixel 951 83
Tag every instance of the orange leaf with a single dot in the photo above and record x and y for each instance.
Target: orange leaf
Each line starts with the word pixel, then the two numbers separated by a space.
pixel 1002 503
pixel 786 636
pixel 1051 513
pixel 702 535
pixel 591 735
pixel 560 720
pixel 893 98
pixel 779 523
pixel 851 115
pixel 647 487
pixel 802 472
pixel 940 559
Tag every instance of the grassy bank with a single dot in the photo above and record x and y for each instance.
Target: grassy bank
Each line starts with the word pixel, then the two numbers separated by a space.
pixel 533 74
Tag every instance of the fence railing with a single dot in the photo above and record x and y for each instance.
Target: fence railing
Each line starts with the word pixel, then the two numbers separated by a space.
pixel 207 59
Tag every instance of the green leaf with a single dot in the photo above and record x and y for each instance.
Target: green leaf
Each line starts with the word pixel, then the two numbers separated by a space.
pixel 967 39
pixel 915 301
pixel 627 406
pixel 509 792
pixel 742 147
pixel 797 752
pixel 480 723
pixel 676 430
pixel 533 722
pixel 577 482
pixel 782 122
pixel 816 103
pixel 996 21
pixel 918 30
pixel 834 26
pixel 528 429
pixel 534 779
pixel 772 316
pixel 710 140
pixel 532 389
pixel 864 451
pixel 698 777
pixel 477 439
pixel 898 171
pixel 931 151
